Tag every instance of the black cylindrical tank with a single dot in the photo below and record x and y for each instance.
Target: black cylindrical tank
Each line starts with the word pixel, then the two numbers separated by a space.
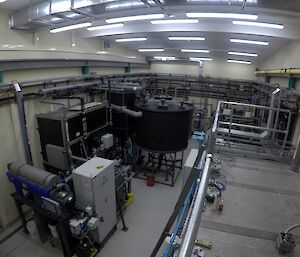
pixel 122 123
pixel 165 125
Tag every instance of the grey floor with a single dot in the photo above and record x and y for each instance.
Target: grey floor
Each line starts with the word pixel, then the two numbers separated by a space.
pixel 262 199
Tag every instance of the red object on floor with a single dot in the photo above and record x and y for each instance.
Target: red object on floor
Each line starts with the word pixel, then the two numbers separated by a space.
pixel 150 181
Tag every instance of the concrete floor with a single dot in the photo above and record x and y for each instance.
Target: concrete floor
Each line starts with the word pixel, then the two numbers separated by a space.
pixel 262 199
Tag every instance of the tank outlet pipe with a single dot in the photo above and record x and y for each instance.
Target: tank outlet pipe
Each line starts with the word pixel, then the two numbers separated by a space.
pixel 123 109
pixel 189 238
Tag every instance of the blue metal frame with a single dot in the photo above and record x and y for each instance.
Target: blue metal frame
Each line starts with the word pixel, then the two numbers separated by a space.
pixel 21 184
pixel 180 220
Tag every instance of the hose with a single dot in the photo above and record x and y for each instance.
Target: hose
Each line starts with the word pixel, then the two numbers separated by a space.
pixel 291 228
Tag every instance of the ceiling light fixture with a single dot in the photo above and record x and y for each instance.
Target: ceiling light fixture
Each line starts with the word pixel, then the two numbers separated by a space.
pixel 222 15
pixel 2 1
pixel 72 15
pixel 176 21
pixel 251 42
pixel 197 59
pixel 187 38
pixel 238 61
pixel 194 51
pixel 259 24
pixel 135 18
pixel 71 27
pixel 134 39
pixel 165 58
pixel 151 50
pixel 243 54
pixel 109 26
pixel 131 57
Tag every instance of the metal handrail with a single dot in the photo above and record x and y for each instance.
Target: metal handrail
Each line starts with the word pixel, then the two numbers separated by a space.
pixel 188 241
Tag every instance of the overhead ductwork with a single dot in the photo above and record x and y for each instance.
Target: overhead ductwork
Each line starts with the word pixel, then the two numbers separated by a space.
pixel 55 12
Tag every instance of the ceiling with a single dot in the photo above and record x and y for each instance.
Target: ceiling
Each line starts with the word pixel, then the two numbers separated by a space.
pixel 216 31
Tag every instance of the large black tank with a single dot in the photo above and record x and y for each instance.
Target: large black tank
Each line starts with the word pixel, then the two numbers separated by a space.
pixel 165 125
pixel 122 123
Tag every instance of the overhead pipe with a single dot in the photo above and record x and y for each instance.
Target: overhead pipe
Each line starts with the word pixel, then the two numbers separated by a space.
pixel 295 71
pixel 52 90
pixel 123 109
pixel 272 105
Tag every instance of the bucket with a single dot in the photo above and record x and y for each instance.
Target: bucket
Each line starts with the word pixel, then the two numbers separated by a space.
pixel 150 180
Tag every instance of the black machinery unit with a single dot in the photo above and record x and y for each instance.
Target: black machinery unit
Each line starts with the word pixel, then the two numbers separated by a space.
pixel 122 123
pixel 64 133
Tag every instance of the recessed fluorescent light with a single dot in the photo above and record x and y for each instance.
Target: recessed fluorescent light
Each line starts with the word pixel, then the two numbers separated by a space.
pixel 72 15
pixel 102 52
pixel 252 42
pixel 71 27
pixel 124 5
pixel 151 50
pixel 165 57
pixel 194 51
pixel 259 24
pixel 243 54
pixel 176 21
pixel 135 18
pixel 56 19
pixel 238 61
pixel 134 39
pixel 131 57
pixel 2 1
pixel 198 59
pixel 187 38
pixel 109 26
pixel 222 15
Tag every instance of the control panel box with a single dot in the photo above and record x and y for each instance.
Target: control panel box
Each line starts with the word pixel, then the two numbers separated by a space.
pixel 94 184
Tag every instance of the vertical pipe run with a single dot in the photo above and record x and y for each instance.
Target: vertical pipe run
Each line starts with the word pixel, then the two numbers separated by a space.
pixel 22 122
pixel 192 230
pixel 296 160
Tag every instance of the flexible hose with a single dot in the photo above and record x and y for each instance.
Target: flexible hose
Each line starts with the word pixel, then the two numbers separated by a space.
pixel 291 228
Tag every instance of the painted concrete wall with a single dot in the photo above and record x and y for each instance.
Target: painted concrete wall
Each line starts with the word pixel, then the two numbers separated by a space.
pixel 286 57
pixel 214 68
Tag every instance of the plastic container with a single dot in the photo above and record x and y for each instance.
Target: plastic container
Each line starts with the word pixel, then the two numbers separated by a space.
pixel 150 180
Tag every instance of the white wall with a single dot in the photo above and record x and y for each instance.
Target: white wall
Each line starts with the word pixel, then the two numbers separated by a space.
pixel 214 68
pixel 286 57
pixel 46 73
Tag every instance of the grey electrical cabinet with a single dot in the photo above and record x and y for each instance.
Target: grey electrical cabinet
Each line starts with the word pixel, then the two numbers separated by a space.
pixel 94 184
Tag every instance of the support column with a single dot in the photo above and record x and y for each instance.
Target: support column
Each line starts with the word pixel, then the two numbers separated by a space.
pixel 85 70
pixel 292 83
pixel 127 69
pixel 1 77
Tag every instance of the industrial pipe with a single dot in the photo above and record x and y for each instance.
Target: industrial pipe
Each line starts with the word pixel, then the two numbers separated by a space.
pixel 36 176
pixel 189 238
pixel 281 71
pixel 296 160
pixel 123 109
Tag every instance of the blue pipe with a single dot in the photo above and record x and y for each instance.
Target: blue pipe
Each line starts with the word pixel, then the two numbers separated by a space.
pixel 181 217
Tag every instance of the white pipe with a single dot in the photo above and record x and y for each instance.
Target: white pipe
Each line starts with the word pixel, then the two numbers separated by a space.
pixel 127 111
